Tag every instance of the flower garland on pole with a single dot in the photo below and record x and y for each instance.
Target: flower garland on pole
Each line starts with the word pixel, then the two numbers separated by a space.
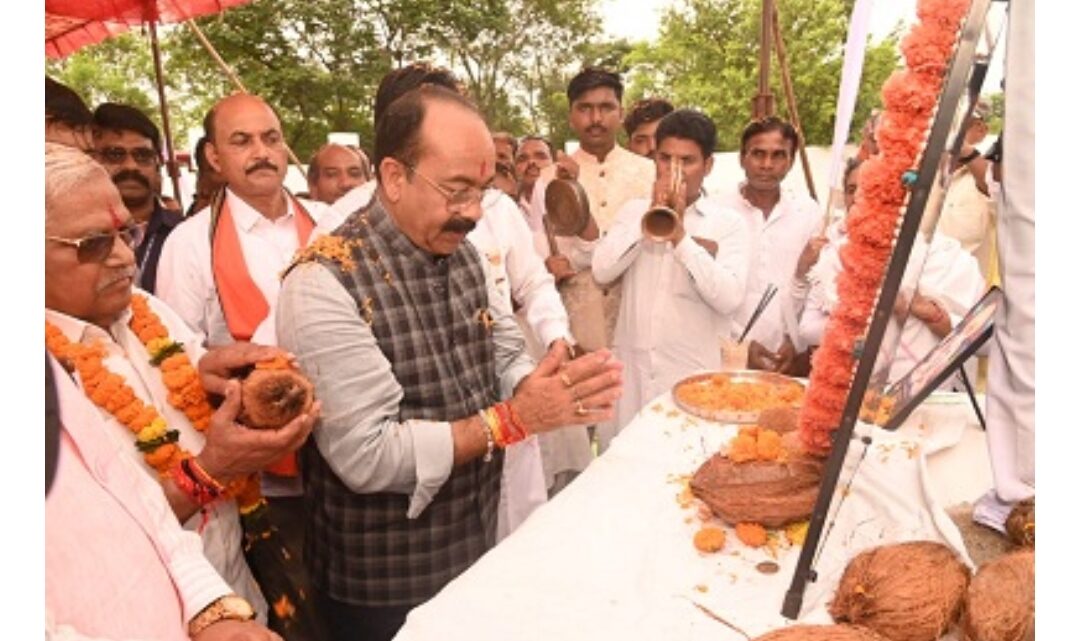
pixel 910 97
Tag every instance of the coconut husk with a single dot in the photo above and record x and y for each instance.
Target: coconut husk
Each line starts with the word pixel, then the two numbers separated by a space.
pixel 822 633
pixel 779 419
pixel 273 397
pixel 1020 526
pixel 771 493
pixel 1000 602
pixel 907 592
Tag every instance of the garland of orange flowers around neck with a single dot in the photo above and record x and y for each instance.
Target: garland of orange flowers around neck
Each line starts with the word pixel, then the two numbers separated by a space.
pixel 159 444
pixel 910 97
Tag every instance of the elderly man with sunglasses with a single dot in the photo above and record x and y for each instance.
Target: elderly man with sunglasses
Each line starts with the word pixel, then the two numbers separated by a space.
pixel 422 371
pixel 128 145
pixel 93 327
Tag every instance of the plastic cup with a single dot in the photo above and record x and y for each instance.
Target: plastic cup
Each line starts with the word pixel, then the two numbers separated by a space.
pixel 733 355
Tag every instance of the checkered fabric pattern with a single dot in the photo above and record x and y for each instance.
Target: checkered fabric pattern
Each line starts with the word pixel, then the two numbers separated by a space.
pixel 427 316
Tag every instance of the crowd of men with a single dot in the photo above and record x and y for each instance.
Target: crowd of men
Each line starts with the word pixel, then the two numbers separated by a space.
pixel 468 362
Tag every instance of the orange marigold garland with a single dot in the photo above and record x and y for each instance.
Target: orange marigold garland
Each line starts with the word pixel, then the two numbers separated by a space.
pixel 108 390
pixel 910 97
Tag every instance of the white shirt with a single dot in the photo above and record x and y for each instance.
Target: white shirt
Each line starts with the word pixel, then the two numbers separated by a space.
pixel 677 303
pixel 185 274
pixel 775 245
pixel 126 356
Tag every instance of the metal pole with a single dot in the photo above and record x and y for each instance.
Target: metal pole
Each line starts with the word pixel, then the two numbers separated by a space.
pixel 763 104
pixel 235 80
pixel 789 93
pixel 170 163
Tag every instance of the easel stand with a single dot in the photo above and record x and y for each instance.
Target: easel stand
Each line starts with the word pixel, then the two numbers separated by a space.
pixel 954 87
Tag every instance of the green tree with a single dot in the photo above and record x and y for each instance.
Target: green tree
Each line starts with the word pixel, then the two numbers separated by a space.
pixel 120 69
pixel 319 62
pixel 707 58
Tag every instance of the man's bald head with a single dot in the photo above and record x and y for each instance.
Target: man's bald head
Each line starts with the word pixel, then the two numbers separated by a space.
pixel 334 170
pixel 246 145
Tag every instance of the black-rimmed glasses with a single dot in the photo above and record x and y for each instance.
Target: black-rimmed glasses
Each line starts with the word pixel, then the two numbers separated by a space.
pixel 97 247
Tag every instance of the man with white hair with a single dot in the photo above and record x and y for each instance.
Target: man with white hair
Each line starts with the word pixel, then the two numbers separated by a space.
pixel 147 372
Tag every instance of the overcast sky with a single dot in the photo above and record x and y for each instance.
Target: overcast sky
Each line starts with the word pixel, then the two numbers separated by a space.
pixel 640 19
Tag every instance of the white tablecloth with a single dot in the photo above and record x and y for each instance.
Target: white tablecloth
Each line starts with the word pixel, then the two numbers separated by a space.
pixel 611 557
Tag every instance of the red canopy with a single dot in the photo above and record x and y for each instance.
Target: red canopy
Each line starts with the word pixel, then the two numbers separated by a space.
pixel 72 24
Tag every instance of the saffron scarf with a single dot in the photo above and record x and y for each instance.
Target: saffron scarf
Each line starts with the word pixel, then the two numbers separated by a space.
pixel 241 300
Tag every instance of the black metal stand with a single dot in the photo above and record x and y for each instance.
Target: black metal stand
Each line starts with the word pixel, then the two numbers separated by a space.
pixel 955 85
pixel 971 396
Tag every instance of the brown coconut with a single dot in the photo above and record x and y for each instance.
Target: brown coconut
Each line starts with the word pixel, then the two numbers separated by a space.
pixel 273 397
pixel 772 493
pixel 1000 602
pixel 1020 526
pixel 822 633
pixel 907 592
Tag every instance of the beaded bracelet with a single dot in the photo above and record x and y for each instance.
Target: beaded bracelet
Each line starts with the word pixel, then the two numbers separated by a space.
pixel 489 433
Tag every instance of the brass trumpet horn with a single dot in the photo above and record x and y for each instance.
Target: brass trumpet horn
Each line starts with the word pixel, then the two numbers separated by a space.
pixel 660 221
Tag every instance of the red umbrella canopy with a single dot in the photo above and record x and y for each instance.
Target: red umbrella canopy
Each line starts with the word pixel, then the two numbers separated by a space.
pixel 71 24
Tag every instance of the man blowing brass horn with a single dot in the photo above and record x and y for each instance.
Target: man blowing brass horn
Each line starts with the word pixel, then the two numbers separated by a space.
pixel 664 218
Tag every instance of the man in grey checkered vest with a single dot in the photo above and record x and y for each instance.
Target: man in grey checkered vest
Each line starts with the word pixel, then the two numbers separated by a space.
pixel 412 352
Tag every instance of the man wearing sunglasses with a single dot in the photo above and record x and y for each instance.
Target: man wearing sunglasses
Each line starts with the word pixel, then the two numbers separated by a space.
pixel 128 145
pixel 89 274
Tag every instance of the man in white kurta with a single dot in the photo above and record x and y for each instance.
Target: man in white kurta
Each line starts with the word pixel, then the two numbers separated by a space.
pixel 781 224
pixel 679 293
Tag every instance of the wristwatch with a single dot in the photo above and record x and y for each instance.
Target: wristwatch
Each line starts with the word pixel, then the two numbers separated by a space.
pixel 229 607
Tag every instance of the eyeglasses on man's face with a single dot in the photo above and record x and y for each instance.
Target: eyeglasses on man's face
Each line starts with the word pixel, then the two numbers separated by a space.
pixel 456 199
pixel 98 246
pixel 143 156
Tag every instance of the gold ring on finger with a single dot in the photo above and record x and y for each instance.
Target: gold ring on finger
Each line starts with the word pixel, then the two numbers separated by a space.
pixel 566 380
pixel 580 410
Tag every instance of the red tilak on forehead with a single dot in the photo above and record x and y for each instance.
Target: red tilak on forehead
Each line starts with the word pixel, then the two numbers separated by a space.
pixel 483 168
pixel 115 219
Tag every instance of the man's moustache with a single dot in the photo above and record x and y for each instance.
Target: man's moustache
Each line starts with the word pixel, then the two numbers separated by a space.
pixel 131 174
pixel 459 225
pixel 120 275
pixel 263 164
